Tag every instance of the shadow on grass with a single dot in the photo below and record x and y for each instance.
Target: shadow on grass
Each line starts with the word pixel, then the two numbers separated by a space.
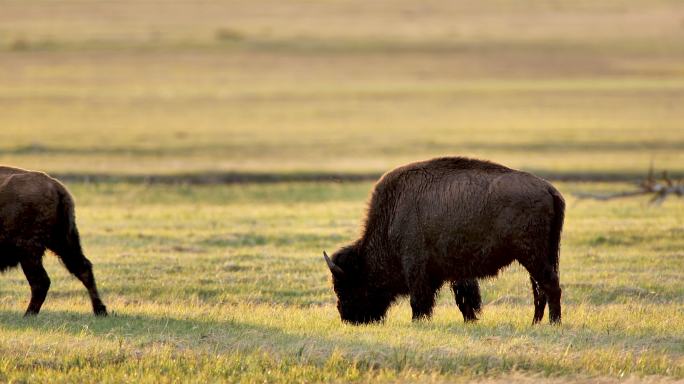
pixel 577 336
pixel 232 336
pixel 305 345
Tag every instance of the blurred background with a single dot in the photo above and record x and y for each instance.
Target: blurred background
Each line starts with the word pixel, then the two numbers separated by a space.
pixel 567 88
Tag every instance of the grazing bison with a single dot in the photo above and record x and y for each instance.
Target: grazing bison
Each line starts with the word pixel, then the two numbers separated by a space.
pixel 37 213
pixel 450 219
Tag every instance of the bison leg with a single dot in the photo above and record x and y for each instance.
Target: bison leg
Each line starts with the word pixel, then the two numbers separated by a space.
pixel 422 303
pixel 547 279
pixel 468 299
pixel 539 301
pixel 422 292
pixel 38 280
pixel 70 252
pixel 553 293
pixel 81 267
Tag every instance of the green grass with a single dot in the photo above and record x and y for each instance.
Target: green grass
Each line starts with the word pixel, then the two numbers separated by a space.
pixel 228 283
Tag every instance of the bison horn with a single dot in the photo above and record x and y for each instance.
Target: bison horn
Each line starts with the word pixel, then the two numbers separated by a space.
pixel 337 271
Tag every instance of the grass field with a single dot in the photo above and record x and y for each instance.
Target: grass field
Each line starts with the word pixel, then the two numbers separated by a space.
pixel 228 283
pixel 225 282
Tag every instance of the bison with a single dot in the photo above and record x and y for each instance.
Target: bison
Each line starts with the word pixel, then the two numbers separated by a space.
pixel 450 219
pixel 37 213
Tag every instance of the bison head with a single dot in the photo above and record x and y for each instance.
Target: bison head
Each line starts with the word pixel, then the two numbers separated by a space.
pixel 357 300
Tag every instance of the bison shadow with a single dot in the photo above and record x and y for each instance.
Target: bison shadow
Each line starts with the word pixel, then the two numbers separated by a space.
pixel 230 336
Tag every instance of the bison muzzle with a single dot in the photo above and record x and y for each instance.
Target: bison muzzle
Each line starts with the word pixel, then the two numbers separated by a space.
pixel 452 220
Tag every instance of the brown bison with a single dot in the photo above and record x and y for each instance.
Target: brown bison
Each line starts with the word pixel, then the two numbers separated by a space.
pixel 37 213
pixel 450 219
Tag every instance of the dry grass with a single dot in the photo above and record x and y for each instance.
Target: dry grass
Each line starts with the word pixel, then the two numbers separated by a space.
pixel 226 283
pixel 139 87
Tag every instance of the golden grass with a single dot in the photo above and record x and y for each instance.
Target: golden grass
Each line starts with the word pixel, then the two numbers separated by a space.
pixel 139 88
pixel 228 284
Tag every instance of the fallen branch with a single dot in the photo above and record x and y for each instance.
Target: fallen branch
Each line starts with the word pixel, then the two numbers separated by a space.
pixel 659 189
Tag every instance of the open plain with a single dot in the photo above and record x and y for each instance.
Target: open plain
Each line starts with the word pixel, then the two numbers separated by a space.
pixel 216 274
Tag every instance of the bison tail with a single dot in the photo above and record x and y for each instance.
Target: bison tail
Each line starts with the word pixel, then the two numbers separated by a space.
pixel 67 240
pixel 556 227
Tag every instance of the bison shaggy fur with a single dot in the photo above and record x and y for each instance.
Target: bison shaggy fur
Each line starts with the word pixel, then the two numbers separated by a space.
pixel 454 220
pixel 37 213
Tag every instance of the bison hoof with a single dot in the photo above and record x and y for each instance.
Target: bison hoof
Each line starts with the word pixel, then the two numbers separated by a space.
pixel 30 313
pixel 100 311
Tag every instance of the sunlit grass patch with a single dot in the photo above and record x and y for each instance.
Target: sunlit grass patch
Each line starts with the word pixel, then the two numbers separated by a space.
pixel 236 289
pixel 226 283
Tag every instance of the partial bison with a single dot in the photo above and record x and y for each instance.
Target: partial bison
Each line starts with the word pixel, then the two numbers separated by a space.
pixel 450 219
pixel 37 213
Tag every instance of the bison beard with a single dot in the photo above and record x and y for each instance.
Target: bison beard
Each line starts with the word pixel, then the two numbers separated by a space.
pixel 37 213
pixel 450 219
